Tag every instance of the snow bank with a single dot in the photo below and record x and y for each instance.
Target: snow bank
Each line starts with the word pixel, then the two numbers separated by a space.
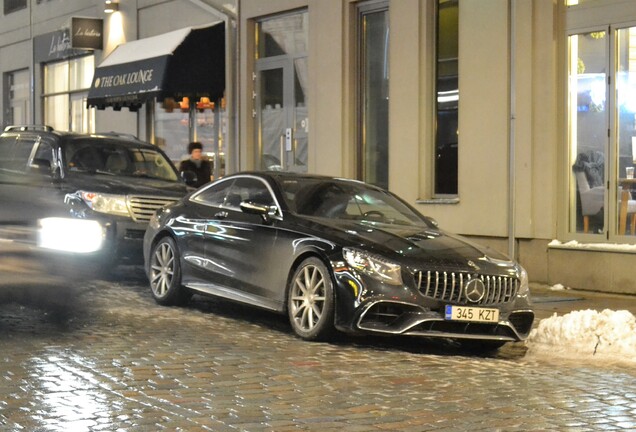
pixel 585 334
pixel 603 247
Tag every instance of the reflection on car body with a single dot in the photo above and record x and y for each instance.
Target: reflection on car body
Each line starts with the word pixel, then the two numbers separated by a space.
pixel 334 254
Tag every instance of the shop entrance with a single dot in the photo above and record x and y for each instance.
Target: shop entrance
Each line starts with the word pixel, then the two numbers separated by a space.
pixel 282 119
pixel 280 89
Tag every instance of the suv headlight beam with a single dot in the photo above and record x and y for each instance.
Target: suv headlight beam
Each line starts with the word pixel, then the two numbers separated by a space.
pixel 106 203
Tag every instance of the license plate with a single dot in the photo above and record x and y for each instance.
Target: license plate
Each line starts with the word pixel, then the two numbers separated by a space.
pixel 474 314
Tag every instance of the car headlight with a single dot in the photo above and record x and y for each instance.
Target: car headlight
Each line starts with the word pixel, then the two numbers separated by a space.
pixel 524 287
pixel 374 266
pixel 154 221
pixel 70 235
pixel 106 203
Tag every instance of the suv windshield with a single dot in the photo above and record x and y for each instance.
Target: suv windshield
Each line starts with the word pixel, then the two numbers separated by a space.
pixel 116 158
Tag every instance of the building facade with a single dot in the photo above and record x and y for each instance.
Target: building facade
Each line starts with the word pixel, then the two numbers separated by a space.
pixel 508 121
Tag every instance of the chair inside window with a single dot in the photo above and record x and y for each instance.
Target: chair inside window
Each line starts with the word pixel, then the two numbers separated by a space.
pixel 588 171
pixel 592 199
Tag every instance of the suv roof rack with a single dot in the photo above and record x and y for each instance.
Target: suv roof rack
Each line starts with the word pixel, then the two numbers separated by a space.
pixel 118 134
pixel 14 128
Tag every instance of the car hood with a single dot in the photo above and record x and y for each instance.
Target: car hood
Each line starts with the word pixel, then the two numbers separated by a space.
pixel 127 185
pixel 418 247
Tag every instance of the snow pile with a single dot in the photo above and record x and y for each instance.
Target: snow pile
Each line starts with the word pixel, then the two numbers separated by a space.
pixel 587 333
pixel 593 246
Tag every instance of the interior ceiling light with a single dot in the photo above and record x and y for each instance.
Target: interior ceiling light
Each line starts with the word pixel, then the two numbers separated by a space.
pixel 110 6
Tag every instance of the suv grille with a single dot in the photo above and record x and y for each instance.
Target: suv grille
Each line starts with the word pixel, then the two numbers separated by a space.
pixel 143 207
pixel 449 286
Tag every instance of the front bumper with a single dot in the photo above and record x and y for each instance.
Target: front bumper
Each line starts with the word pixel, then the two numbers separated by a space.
pixel 411 320
pixel 125 239
pixel 365 305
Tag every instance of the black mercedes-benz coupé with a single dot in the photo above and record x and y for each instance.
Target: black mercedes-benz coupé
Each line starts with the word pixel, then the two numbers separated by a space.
pixel 334 254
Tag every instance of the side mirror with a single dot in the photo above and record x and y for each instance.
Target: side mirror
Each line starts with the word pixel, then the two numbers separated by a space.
pixel 189 177
pixel 263 211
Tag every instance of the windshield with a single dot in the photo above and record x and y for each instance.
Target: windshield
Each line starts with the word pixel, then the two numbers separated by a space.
pixel 111 157
pixel 347 200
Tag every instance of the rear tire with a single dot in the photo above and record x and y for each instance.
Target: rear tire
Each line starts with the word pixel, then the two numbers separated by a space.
pixel 310 301
pixel 164 273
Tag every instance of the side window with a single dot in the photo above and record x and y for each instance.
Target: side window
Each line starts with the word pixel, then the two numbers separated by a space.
pixel 213 195
pixel 22 154
pixel 7 148
pixel 43 159
pixel 248 189
pixel 230 194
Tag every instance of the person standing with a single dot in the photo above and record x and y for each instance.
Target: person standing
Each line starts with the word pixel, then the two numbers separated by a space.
pixel 197 165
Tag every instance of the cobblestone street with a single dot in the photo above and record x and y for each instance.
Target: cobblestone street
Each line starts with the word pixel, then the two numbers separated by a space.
pixel 104 356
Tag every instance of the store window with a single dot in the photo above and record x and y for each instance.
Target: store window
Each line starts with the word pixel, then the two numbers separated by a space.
pixel 66 85
pixel 447 104
pixel 179 122
pixel 281 81
pixel 373 93
pixel 602 132
pixel 17 101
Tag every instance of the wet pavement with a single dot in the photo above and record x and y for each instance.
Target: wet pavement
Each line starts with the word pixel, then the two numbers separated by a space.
pixel 102 356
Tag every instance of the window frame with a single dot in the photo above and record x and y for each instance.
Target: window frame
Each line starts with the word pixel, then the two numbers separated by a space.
pixel 435 193
pixel 89 114
pixel 610 231
pixel 363 9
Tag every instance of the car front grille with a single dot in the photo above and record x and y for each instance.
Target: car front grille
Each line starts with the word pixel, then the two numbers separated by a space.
pixel 143 207
pixel 450 287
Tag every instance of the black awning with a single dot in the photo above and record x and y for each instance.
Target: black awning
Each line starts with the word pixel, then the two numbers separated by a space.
pixel 187 62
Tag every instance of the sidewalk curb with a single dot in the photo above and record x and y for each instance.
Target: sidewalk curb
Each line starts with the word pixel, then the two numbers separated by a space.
pixel 547 301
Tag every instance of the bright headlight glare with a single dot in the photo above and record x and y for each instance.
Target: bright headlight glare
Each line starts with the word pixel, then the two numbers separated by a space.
pixel 106 203
pixel 70 235
pixel 374 266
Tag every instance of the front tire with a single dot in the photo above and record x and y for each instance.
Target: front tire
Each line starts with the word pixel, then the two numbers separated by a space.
pixel 310 301
pixel 164 273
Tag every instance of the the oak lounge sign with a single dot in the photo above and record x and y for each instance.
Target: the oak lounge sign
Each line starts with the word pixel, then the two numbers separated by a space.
pixel 185 62
pixel 126 84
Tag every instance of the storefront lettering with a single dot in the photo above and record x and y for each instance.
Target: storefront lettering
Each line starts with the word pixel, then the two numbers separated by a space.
pixel 91 32
pixel 137 77
pixel 59 44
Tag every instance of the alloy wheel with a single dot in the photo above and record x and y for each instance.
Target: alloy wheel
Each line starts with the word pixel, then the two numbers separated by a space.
pixel 162 269
pixel 308 298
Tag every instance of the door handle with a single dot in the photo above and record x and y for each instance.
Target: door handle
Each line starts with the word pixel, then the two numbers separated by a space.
pixel 221 215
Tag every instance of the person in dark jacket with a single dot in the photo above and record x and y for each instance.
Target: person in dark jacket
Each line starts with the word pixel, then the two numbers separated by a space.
pixel 197 165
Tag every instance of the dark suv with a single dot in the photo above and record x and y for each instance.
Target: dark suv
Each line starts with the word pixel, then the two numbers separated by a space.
pixel 116 180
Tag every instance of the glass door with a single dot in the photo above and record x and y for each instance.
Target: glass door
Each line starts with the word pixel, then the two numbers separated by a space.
pixel 280 92
pixel 602 133
pixel 588 126
pixel 281 116
pixel 625 134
